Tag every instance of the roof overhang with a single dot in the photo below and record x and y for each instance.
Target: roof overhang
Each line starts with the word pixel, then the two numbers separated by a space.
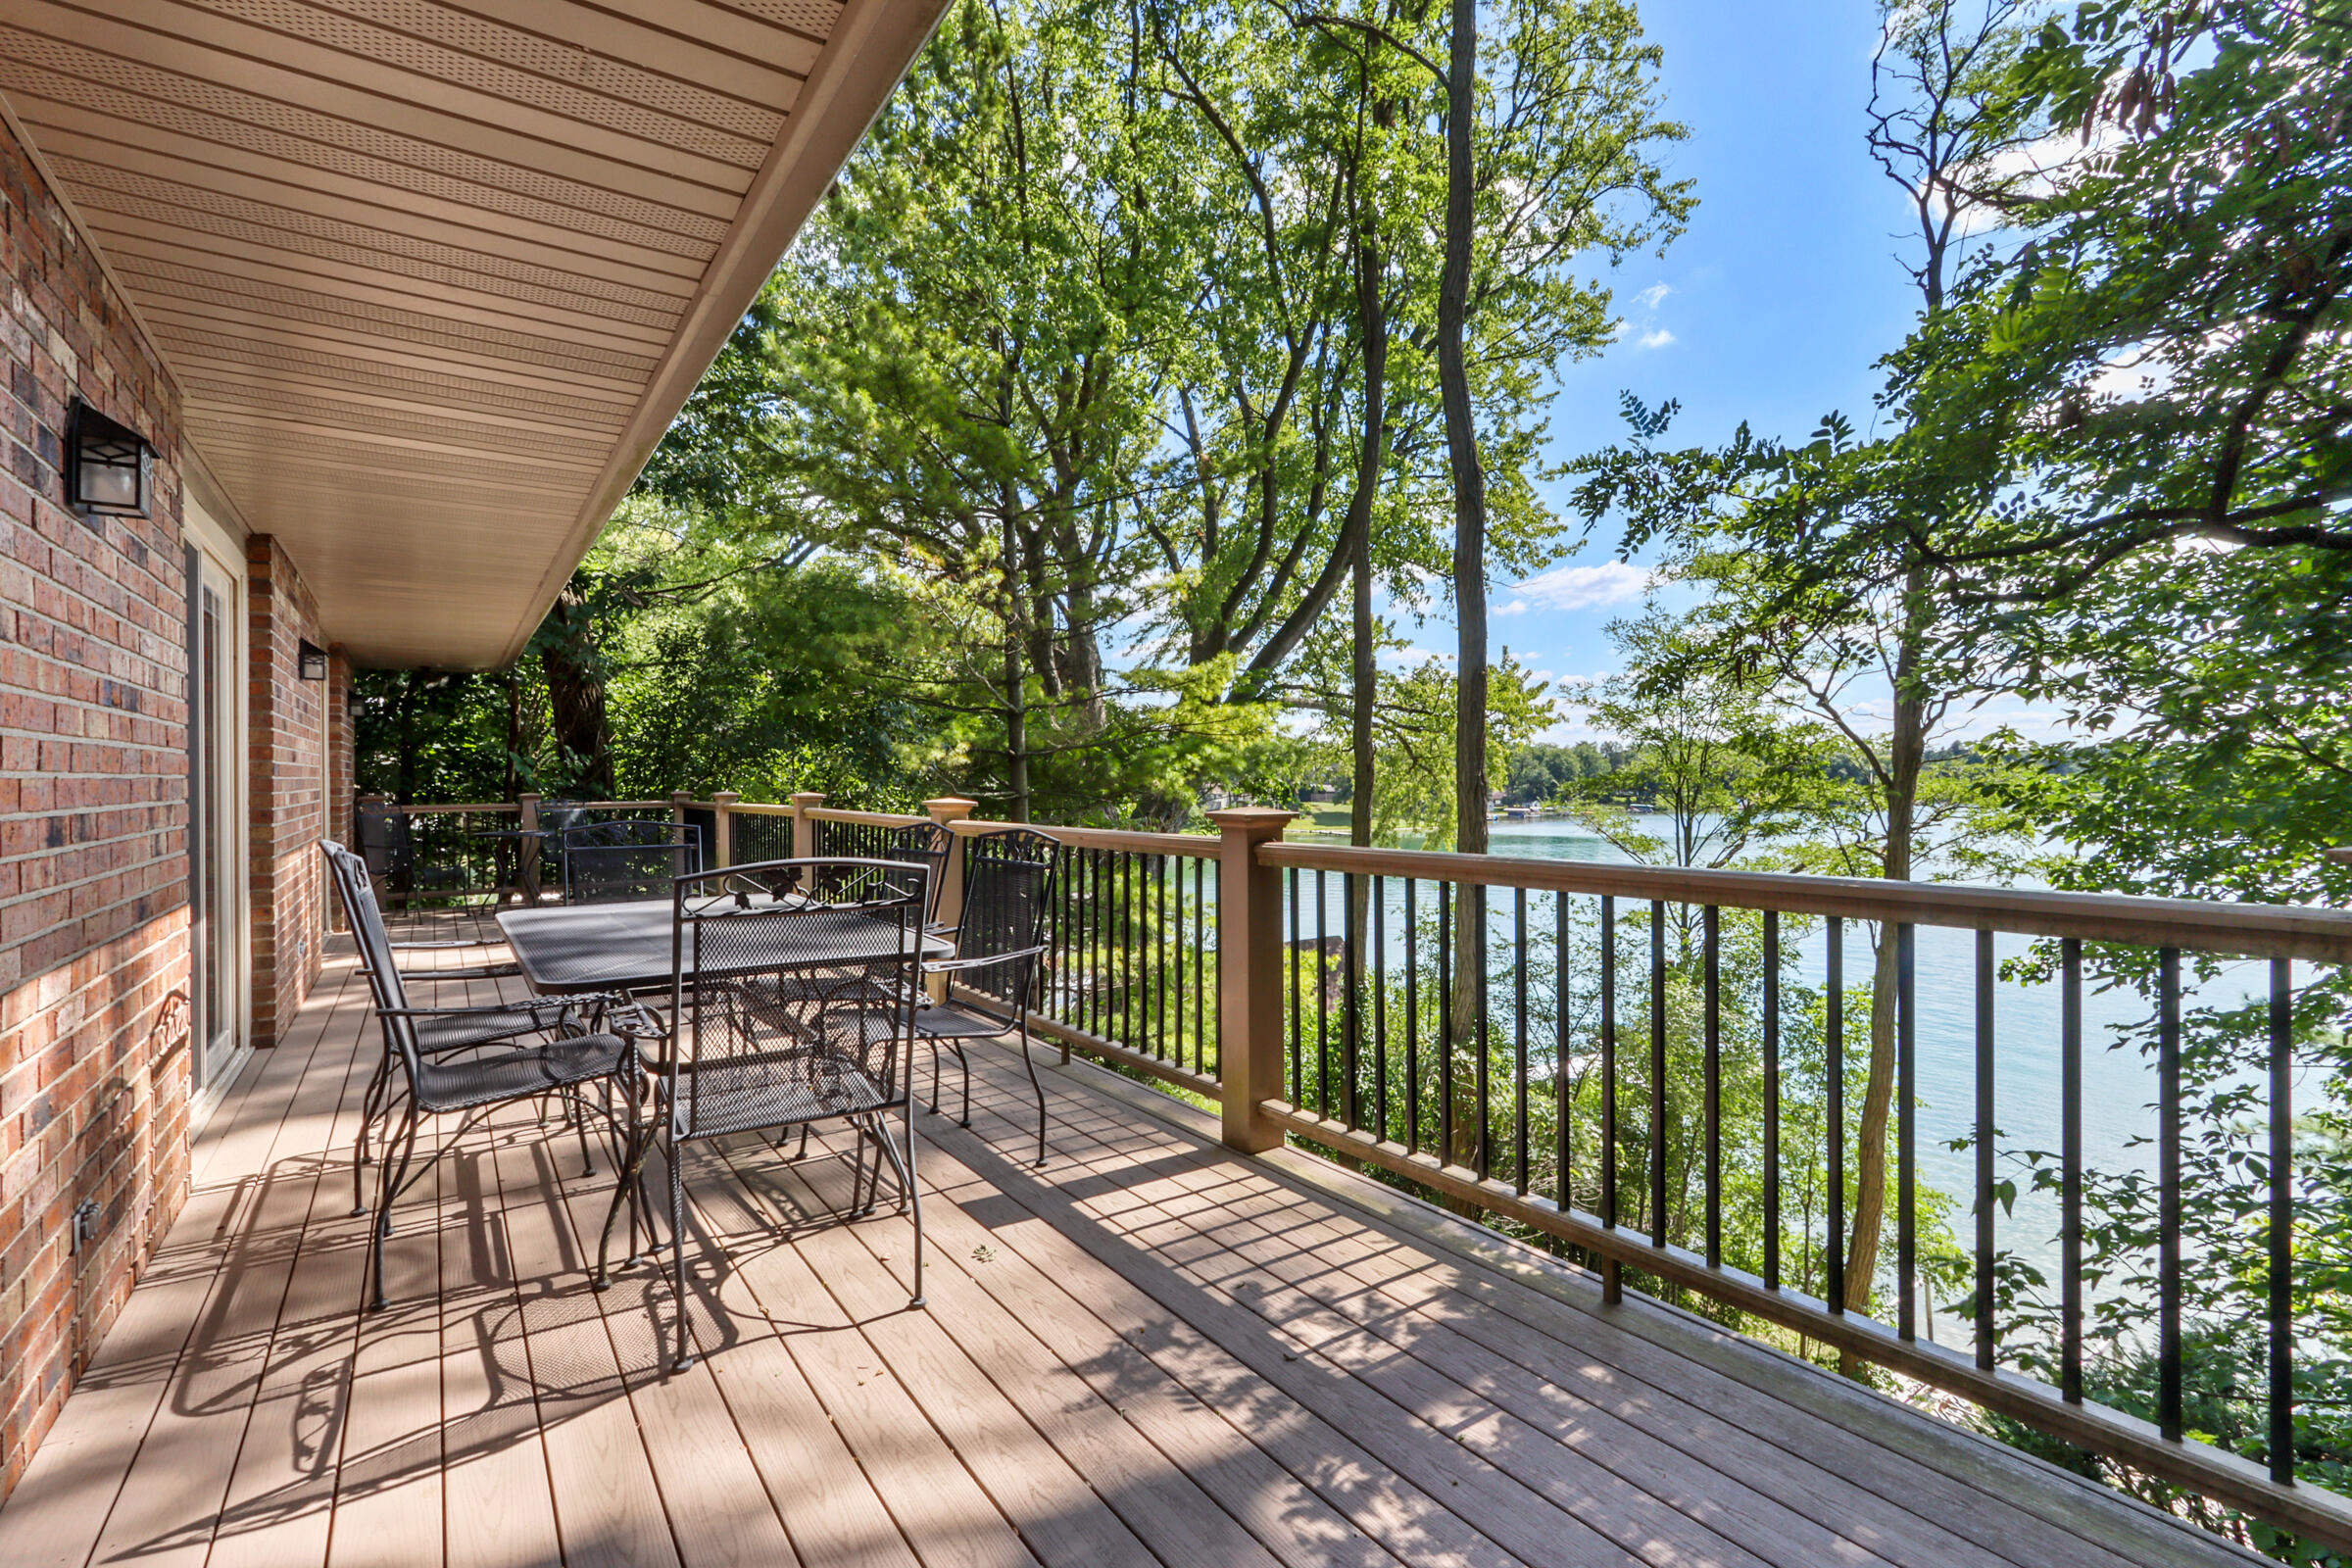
pixel 433 278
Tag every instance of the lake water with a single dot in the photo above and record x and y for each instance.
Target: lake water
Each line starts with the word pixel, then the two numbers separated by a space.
pixel 2119 1085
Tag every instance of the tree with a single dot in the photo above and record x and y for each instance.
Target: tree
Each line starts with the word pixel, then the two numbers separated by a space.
pixel 1812 552
pixel 1711 750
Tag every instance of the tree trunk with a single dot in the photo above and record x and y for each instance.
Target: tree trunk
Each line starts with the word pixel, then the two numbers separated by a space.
pixel 1372 314
pixel 575 697
pixel 1083 661
pixel 511 777
pixel 1906 756
pixel 403 729
pixel 1469 562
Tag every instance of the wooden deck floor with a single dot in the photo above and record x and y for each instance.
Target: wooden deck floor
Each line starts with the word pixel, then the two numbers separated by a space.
pixel 1150 1353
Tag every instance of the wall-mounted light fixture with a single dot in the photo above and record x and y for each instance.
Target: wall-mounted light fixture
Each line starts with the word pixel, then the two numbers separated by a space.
pixel 109 468
pixel 311 660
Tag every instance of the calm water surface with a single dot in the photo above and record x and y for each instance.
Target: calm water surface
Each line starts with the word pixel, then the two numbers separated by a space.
pixel 2118 1083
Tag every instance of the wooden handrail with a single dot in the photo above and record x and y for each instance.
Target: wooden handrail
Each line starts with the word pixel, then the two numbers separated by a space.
pixel 2257 930
pixel 831 813
pixel 1198 846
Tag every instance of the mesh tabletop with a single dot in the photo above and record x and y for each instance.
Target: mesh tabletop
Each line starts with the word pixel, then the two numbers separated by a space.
pixel 616 947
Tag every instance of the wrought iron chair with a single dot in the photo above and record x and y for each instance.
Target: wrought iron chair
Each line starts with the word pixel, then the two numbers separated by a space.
pixel 1008 886
pixel 789 1006
pixel 388 845
pixel 927 845
pixel 387 986
pixel 472 1060
pixel 606 862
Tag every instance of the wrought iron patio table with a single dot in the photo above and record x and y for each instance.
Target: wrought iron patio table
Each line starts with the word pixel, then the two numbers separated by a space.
pixel 626 947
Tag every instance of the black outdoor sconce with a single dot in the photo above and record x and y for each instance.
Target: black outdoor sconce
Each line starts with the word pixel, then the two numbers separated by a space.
pixel 109 469
pixel 310 659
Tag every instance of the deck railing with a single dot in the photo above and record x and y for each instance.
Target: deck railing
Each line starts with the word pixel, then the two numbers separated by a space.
pixel 1551 1044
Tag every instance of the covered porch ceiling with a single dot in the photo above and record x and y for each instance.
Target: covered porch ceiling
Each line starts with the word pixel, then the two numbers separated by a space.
pixel 435 276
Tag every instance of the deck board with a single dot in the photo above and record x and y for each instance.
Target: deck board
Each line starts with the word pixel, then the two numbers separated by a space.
pixel 1150 1353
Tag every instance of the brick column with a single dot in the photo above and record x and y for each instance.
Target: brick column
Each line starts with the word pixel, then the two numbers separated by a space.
pixel 263 635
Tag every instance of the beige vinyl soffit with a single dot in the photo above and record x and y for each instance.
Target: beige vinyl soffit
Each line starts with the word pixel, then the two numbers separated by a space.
pixel 435 276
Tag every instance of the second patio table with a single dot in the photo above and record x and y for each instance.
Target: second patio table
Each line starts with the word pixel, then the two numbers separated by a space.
pixel 626 947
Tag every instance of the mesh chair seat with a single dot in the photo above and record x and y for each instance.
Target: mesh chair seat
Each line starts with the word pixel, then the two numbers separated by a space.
pixel 438 1036
pixel 519 1073
pixel 950 1021
pixel 780 1088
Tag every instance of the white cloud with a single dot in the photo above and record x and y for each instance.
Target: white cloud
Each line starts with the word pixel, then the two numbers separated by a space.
pixel 1651 298
pixel 1517 606
pixel 1612 582
pixel 1657 338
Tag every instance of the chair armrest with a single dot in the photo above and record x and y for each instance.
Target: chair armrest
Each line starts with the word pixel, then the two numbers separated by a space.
pixel 488 971
pixel 534 1008
pixel 954 966
pixel 470 942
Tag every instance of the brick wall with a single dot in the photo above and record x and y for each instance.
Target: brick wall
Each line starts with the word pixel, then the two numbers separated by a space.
pixel 289 789
pixel 93 793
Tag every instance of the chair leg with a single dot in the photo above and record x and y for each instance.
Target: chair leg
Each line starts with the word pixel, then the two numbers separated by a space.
pixel 628 1188
pixel 934 1077
pixel 372 1106
pixel 677 1251
pixel 579 1123
pixel 915 1205
pixel 398 1180
pixel 862 1202
pixel 386 1186
pixel 966 1062
pixel 1029 1062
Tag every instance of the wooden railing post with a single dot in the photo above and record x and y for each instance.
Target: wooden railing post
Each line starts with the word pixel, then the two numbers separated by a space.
pixel 722 828
pixel 804 831
pixel 1249 973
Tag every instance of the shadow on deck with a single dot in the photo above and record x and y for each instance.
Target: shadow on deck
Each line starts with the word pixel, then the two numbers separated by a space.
pixel 1150 1351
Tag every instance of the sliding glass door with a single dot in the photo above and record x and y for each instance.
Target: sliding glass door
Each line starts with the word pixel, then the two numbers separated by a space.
pixel 216 826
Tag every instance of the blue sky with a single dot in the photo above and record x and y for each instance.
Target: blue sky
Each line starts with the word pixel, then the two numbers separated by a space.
pixel 1770 308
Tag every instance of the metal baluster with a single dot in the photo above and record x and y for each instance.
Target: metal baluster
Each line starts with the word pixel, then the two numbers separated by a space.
pixel 1565 1188
pixel 1834 1254
pixel 1412 1022
pixel 1519 1033
pixel 1445 1023
pixel 2069 1170
pixel 1612 1288
pixel 1098 1010
pixel 1484 1084
pixel 1160 964
pixel 1657 1072
pixel 2168 1187
pixel 1322 997
pixel 2282 1222
pixel 1380 1007
pixel 1135 1015
pixel 1351 1021
pixel 1207 979
pixel 1298 1033
pixel 1772 1100
pixel 1711 938
pixel 1985 1134
pixel 1906 1063
pixel 1199 985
